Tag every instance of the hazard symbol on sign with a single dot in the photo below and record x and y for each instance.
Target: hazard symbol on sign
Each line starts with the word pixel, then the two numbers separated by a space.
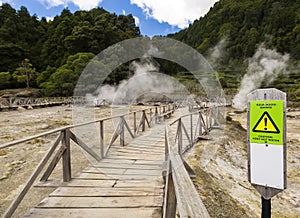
pixel 266 124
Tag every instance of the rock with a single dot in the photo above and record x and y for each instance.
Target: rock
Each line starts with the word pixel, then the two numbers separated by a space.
pixel 294 140
pixel 29 107
pixel 3 152
pixel 21 109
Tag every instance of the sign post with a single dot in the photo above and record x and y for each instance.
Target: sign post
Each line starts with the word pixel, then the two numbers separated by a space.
pixel 267 144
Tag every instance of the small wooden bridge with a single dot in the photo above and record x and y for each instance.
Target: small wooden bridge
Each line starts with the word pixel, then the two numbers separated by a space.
pixel 144 175
pixel 11 103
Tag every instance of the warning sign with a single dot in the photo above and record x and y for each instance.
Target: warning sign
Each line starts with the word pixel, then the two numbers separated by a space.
pixel 266 122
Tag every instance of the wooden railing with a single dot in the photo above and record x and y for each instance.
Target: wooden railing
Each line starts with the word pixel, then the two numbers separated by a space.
pixel 180 192
pixel 62 144
pixel 15 102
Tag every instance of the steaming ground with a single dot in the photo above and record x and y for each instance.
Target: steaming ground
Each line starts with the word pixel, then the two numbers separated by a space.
pixel 264 67
pixel 220 164
pixel 146 79
pixel 221 168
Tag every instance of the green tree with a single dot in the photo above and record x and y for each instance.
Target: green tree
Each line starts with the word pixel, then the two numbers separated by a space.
pixel 63 81
pixel 25 73
pixel 5 80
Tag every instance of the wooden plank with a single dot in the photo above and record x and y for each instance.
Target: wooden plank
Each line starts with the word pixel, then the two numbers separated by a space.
pixel 53 163
pixel 101 202
pixel 139 169
pixel 137 151
pixel 13 206
pixel 109 192
pixel 127 166
pixel 148 157
pixel 119 161
pixel 186 193
pixel 106 171
pixel 86 148
pixel 115 176
pixel 143 212
pixel 154 182
pixel 91 183
pixel 143 172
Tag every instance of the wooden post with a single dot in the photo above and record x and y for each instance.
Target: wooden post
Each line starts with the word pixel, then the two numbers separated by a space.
pixel 143 121
pixel 200 124
pixel 66 157
pixel 192 140
pixel 179 137
pixel 170 207
pixel 122 135
pixel 134 122
pixel 101 142
pixel 207 121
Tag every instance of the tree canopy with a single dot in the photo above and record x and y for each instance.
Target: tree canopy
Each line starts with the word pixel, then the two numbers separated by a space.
pixel 51 45
pixel 244 25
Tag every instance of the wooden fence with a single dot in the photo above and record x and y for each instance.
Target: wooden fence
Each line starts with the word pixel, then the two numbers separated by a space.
pixel 61 147
pixel 180 192
pixel 15 102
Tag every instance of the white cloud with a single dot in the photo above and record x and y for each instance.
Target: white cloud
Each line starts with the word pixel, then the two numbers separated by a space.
pixel 137 20
pixel 82 4
pixel 49 18
pixel 4 1
pixel 123 12
pixel 175 12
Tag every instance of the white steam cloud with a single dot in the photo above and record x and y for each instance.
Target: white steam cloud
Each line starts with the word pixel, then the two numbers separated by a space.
pixel 217 52
pixel 265 66
pixel 145 80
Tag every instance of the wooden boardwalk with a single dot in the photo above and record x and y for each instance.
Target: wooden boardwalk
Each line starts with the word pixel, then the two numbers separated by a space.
pixel 147 177
pixel 127 183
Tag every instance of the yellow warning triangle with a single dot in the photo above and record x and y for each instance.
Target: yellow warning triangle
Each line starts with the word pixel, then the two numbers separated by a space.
pixel 265 124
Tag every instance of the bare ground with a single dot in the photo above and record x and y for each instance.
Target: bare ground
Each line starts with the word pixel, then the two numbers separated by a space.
pixel 18 162
pixel 220 163
pixel 221 168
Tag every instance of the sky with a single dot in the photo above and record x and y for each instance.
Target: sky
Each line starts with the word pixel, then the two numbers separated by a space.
pixel 154 17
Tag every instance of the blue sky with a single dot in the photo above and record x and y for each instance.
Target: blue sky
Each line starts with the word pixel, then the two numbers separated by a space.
pixel 154 17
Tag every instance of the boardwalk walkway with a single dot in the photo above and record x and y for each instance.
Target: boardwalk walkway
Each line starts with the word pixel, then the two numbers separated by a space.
pixel 127 183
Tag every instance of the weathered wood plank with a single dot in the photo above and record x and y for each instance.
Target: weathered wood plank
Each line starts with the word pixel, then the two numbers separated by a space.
pixel 127 169
pixel 91 183
pixel 105 192
pixel 106 171
pixel 138 157
pixel 101 202
pixel 155 182
pixel 154 212
pixel 114 176
pixel 127 166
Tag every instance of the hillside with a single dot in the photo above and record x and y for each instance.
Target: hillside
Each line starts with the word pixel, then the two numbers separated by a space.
pixel 232 32
pixel 54 52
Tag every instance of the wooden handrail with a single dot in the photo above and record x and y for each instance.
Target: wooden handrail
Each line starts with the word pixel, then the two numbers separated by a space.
pixel 179 189
pixel 63 152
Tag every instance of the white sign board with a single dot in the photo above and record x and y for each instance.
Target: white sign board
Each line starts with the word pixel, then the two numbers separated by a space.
pixel 267 141
pixel 267 165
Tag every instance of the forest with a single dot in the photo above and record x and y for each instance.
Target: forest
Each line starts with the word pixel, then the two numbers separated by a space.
pixel 50 55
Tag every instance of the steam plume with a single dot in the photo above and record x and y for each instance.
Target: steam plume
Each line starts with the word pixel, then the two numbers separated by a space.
pixel 265 66
pixel 146 79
